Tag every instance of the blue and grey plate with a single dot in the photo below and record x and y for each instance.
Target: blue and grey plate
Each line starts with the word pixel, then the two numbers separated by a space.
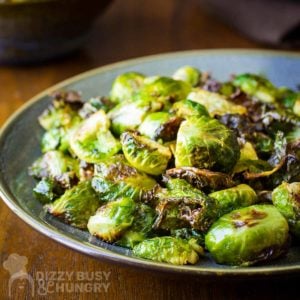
pixel 20 144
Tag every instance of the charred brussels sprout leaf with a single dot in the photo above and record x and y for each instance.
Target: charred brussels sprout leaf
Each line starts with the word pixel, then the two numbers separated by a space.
pixel 201 178
pixel 76 205
pixel 170 250
pixel 180 205
pixel 112 219
pixel 144 154
pixel 56 166
pixel 256 86
pixel 230 199
pixel 188 108
pixel 47 190
pixel 188 74
pixel 206 143
pixel 286 198
pixel 141 226
pixel 125 85
pixel 248 235
pixel 160 125
pixel 215 103
pixel 92 141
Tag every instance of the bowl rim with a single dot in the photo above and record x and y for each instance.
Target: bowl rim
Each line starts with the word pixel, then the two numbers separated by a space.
pixel 108 255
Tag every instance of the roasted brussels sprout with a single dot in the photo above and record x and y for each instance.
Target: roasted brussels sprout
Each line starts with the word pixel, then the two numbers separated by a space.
pixel 144 154
pixel 160 125
pixel 63 112
pixel 230 199
pixel 164 90
pixel 201 178
pixel 92 141
pixel 286 198
pixel 188 74
pixel 180 205
pixel 125 85
pixel 256 86
pixel 115 178
pixel 206 143
pixel 248 235
pixel 188 108
pixel 215 103
pixel 47 190
pixel 59 120
pixel 56 166
pixel 170 250
pixel 76 205
pixel 141 227
pixel 112 219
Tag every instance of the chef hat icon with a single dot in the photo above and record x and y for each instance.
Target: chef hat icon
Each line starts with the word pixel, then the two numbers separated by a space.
pixel 15 263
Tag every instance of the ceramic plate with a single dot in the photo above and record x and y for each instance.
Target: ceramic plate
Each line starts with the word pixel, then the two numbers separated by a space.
pixel 20 138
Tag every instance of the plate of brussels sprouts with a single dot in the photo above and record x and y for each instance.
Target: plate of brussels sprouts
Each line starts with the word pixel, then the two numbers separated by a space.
pixel 186 162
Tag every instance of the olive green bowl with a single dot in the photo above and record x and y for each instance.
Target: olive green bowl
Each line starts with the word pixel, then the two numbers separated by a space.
pixel 20 139
pixel 37 30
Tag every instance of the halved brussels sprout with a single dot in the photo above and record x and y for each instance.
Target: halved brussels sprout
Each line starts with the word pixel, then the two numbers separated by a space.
pixel 189 108
pixel 92 141
pixel 76 205
pixel 230 199
pixel 125 85
pixel 112 219
pixel 286 198
pixel 188 74
pixel 248 235
pixel 129 115
pixel 141 227
pixel 144 154
pixel 56 166
pixel 215 103
pixel 206 143
pixel 170 250
pixel 164 90
pixel 180 205
pixel 160 125
pixel 201 178
pixel 256 86
pixel 115 178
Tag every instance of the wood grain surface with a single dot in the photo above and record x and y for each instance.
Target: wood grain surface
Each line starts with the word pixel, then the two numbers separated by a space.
pixel 128 29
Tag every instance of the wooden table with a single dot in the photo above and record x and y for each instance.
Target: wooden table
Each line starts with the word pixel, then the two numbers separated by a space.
pixel 128 29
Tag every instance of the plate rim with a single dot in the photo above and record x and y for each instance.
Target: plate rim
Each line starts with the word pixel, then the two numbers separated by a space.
pixel 109 255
